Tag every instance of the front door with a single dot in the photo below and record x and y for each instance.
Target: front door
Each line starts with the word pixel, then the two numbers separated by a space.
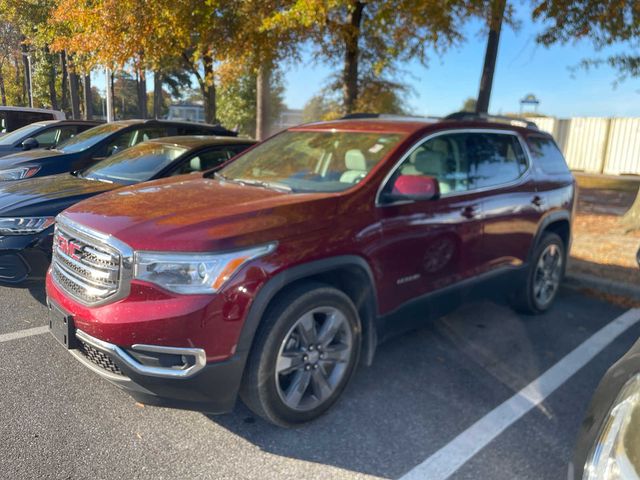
pixel 428 245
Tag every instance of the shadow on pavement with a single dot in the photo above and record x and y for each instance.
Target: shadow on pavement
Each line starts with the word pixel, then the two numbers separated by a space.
pixel 427 386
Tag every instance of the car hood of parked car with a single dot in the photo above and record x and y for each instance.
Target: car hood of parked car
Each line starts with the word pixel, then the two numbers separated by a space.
pixel 25 158
pixel 47 196
pixel 197 214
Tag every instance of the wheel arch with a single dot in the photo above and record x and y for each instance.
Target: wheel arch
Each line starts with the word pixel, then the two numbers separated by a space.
pixel 349 273
pixel 558 222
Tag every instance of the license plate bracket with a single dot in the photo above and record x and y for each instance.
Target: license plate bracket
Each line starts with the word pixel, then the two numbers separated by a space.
pixel 61 327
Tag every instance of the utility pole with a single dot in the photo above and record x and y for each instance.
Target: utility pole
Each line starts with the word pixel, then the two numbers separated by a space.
pixel 109 96
pixel 493 40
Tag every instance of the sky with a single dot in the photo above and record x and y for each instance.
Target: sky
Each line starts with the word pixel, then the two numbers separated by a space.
pixel 523 67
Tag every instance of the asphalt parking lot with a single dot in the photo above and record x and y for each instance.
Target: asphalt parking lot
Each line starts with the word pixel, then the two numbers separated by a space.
pixel 425 389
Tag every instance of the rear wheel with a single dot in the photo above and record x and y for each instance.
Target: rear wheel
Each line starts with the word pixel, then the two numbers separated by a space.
pixel 304 354
pixel 544 277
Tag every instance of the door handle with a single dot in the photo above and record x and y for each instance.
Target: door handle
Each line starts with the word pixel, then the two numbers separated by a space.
pixel 469 212
pixel 537 201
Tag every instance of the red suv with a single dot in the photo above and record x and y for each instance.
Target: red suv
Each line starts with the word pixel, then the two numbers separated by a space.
pixel 274 276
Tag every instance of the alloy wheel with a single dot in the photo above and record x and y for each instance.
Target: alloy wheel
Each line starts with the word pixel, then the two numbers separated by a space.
pixel 547 275
pixel 313 358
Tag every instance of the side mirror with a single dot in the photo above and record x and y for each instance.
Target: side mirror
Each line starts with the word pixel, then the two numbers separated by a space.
pixel 30 143
pixel 413 188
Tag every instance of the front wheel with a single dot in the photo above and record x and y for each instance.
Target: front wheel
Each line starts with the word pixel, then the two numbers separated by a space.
pixel 544 277
pixel 304 354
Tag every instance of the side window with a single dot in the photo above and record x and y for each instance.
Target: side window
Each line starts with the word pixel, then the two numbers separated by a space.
pixel 442 158
pixel 493 159
pixel 118 143
pixel 66 133
pixel 48 137
pixel 546 153
pixel 145 134
pixel 204 161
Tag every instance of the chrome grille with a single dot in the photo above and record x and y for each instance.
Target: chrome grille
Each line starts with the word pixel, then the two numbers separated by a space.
pixel 84 267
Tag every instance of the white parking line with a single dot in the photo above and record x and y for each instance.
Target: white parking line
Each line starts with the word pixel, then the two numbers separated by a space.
pixel 461 449
pixel 5 337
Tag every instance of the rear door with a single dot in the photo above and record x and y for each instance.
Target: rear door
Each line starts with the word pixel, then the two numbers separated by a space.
pixel 511 205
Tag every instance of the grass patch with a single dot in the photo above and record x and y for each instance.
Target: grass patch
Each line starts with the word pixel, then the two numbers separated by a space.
pixel 626 184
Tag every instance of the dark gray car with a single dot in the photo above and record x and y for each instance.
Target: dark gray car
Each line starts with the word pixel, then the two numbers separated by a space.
pixel 45 134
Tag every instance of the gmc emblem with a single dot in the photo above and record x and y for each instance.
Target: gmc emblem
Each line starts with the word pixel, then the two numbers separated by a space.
pixel 69 248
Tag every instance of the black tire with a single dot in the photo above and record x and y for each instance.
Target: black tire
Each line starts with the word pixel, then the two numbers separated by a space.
pixel 525 298
pixel 261 388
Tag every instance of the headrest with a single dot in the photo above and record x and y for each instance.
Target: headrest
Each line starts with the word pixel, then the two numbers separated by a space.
pixel 354 160
pixel 429 161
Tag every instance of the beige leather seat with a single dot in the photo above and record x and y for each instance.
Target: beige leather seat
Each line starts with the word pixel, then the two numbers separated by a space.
pixel 434 164
pixel 356 166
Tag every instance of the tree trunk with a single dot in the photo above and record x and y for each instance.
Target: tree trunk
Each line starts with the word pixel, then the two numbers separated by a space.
pixel 157 94
pixel 351 57
pixel 53 95
pixel 208 88
pixel 75 94
pixel 88 97
pixel 493 40
pixel 64 94
pixel 631 219
pixel 263 111
pixel 141 84
pixel 18 78
pixel 27 74
pixel 3 93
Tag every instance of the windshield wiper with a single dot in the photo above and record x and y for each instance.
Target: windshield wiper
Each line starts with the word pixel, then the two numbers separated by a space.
pixel 257 183
pixel 265 184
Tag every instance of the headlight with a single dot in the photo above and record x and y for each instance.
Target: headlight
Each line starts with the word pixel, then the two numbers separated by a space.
pixel 191 273
pixel 616 454
pixel 24 225
pixel 18 173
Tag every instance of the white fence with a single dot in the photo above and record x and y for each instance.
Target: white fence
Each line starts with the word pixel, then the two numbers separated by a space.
pixel 597 145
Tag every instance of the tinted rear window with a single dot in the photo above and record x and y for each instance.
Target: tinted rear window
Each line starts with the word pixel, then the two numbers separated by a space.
pixel 546 153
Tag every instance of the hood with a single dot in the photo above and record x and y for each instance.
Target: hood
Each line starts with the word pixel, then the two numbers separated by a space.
pixel 201 214
pixel 20 158
pixel 47 196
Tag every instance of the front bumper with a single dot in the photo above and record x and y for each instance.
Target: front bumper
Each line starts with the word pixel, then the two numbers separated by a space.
pixel 25 258
pixel 210 388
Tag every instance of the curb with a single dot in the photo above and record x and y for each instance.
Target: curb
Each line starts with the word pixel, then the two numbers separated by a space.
pixel 611 287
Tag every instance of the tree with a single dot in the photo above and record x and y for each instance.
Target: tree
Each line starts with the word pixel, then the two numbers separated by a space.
pixel 367 39
pixel 469 105
pixel 149 34
pixel 237 106
pixel 604 23
pixel 496 16
pixel 375 96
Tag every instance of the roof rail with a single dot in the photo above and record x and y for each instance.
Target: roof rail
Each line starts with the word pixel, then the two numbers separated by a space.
pixel 470 116
pixel 387 116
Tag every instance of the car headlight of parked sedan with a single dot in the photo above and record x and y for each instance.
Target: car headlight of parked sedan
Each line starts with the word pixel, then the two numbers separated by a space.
pixel 18 173
pixel 24 225
pixel 616 453
pixel 193 273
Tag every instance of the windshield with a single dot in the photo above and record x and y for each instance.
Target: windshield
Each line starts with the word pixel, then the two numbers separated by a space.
pixel 89 138
pixel 321 161
pixel 134 165
pixel 19 134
